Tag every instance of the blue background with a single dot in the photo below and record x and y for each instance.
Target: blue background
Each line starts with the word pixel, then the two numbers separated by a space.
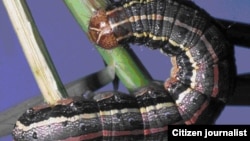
pixel 74 56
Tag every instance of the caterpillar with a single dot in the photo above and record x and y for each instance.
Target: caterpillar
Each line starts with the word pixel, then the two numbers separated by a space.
pixel 203 73
pixel 202 78
pixel 110 115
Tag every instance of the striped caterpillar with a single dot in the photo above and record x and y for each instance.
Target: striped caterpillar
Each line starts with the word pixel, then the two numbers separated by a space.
pixel 202 76
pixel 109 115
pixel 201 81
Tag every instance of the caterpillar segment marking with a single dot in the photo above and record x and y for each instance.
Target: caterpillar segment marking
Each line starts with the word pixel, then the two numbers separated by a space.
pixel 201 80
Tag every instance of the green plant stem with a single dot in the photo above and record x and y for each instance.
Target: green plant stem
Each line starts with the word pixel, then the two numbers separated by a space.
pixel 128 68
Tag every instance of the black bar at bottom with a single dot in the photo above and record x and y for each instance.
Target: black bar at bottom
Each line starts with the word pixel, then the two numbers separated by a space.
pixel 208 132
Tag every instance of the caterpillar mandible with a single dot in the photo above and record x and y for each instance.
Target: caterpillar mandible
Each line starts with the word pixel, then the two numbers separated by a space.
pixel 202 76
pixel 201 81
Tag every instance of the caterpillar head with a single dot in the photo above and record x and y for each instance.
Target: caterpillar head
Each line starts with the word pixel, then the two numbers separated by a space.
pixel 100 31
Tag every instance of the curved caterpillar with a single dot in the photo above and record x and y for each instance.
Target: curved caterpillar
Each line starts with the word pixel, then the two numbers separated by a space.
pixel 203 73
pixel 202 78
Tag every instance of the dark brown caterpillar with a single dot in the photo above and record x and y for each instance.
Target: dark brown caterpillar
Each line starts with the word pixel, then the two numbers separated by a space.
pixel 203 72
pixel 201 81
pixel 110 115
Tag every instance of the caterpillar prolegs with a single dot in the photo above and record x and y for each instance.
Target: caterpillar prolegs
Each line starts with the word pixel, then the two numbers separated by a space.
pixel 201 81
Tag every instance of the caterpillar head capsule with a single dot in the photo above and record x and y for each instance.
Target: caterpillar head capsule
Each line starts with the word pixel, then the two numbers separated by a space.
pixel 100 31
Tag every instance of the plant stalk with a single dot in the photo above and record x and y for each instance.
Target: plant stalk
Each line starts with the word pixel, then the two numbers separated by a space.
pixel 35 51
